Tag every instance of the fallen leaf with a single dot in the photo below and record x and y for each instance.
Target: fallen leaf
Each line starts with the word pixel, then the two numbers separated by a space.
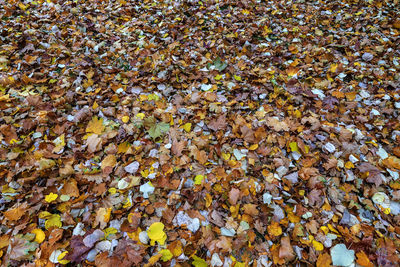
pixel 95 126
pixel 324 260
pixel 156 233
pixel 16 213
pixel 285 250
pixel 363 260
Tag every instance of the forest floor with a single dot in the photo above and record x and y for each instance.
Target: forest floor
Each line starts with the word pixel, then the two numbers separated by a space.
pixel 205 133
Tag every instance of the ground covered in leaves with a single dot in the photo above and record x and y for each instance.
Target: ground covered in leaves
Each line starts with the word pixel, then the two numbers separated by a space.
pixel 205 133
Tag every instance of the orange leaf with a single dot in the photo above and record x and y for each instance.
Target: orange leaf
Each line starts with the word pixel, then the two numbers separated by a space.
pixel 362 259
pixel 324 260
pixel 392 162
pixel 292 71
pixel 16 213
pixel 338 94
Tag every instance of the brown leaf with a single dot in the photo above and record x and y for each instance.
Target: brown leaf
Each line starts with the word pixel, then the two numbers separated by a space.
pixel 218 124
pixel 247 134
pixel 67 170
pixel 177 147
pixel 277 125
pixel 201 156
pixel 108 161
pixel 225 244
pixel 315 198
pixel 286 251
pixel 332 163
pixel 20 248
pixel 70 188
pixel 251 209
pixel 93 143
pixel 102 217
pixel 55 235
pixel 79 250
pixel 9 133
pixel 234 195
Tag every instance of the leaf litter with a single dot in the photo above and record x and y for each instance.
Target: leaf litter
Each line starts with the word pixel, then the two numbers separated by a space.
pixel 222 133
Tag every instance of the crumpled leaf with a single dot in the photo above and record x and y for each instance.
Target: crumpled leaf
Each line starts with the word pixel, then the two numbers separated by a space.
pixel 20 248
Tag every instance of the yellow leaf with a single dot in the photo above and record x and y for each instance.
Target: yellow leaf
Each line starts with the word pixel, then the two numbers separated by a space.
pixel 293 147
pixel 95 105
pixel 61 256
pixel 218 77
pixel 125 119
pixel 253 147
pixel 22 6
pixel 176 249
pixel 208 200
pixel 110 231
pixel 54 220
pixel 156 233
pixel 297 113
pixel 50 197
pixel 140 116
pixel 123 147
pixel 333 67
pixel 293 218
pixel 349 165
pixel 318 32
pixel 39 235
pixel 198 179
pixel 152 261
pixel 226 156
pixel 274 229
pixel 187 127
pixel 318 245
pixel 237 78
pixel 199 262
pixel 166 254
pixel 112 190
pixel 5 241
pixel 95 126
pixel 325 229
pixel 267 30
